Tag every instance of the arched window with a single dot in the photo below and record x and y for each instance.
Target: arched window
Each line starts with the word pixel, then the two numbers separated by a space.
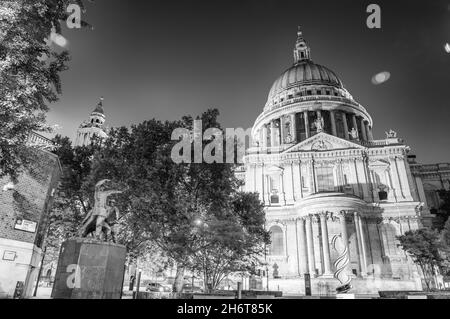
pixel 276 241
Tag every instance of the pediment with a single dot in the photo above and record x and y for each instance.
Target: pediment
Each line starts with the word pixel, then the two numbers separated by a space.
pixel 378 164
pixel 323 142
pixel 274 170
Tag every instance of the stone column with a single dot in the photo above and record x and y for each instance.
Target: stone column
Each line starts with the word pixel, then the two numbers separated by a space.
pixel 273 135
pixel 333 123
pixel 367 132
pixel 363 130
pixel 361 250
pixel 264 136
pixel 355 124
pixel 308 133
pixel 325 244
pixel 370 133
pixel 283 193
pixel 282 130
pixel 294 128
pixel 346 130
pixel 363 242
pixel 304 267
pixel 268 189
pixel 310 246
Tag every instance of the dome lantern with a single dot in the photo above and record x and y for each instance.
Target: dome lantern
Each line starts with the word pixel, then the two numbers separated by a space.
pixel 302 52
pixel 97 117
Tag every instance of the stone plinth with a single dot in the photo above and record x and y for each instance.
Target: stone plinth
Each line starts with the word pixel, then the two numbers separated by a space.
pixel 89 269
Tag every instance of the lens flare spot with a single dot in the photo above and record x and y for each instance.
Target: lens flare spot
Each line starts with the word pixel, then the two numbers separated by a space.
pixel 58 39
pixel 381 78
pixel 447 47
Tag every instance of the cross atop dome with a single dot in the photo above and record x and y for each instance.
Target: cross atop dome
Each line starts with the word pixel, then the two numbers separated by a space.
pixel 302 52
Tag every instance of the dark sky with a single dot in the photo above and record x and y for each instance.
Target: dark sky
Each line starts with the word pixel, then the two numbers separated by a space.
pixel 164 59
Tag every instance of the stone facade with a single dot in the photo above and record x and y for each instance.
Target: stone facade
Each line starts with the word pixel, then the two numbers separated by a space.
pixel 320 173
pixel 29 200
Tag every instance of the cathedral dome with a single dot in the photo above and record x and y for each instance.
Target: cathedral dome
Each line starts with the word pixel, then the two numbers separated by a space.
pixel 306 99
pixel 305 73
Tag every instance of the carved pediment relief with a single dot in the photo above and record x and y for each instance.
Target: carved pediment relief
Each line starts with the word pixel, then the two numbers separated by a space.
pixel 323 142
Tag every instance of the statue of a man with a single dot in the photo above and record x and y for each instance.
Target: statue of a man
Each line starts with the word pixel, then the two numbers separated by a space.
pixel 112 219
pixel 98 218
pixel 100 211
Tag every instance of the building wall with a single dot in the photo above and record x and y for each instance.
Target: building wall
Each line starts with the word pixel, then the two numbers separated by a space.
pixel 296 175
pixel 30 199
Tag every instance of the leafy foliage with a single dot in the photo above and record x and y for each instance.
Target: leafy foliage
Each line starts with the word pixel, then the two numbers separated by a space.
pixel 163 201
pixel 29 74
pixel 425 248
pixel 443 213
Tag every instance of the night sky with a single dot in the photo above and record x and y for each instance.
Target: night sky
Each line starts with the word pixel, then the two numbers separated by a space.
pixel 165 59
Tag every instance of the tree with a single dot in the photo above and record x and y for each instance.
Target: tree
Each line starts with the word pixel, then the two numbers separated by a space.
pixel 231 242
pixel 29 74
pixel 425 247
pixel 443 213
pixel 165 200
pixel 72 201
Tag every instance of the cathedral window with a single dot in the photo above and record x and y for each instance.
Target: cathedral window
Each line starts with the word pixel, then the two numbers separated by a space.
pixel 274 187
pixel 382 195
pixel 327 121
pixel 276 241
pixel 325 179
pixel 312 116
pixel 309 92
pixel 274 199
pixel 340 125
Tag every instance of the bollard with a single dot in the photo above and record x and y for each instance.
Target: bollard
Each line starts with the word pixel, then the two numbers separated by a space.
pixel 239 290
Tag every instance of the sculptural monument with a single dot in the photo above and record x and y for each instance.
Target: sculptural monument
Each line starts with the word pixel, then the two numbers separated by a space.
pixel 391 134
pixel 93 268
pixel 103 217
pixel 341 264
pixel 354 134
pixel 319 124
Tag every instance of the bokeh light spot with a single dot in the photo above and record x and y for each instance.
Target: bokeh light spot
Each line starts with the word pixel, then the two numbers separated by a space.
pixel 58 39
pixel 447 47
pixel 381 78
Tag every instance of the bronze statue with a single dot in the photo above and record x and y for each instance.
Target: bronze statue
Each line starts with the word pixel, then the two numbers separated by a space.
pixel 103 217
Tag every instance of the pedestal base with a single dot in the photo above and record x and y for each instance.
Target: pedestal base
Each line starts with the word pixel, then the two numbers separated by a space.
pixel 345 296
pixel 89 269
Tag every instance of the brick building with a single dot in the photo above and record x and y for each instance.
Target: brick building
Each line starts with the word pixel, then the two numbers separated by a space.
pixel 24 207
